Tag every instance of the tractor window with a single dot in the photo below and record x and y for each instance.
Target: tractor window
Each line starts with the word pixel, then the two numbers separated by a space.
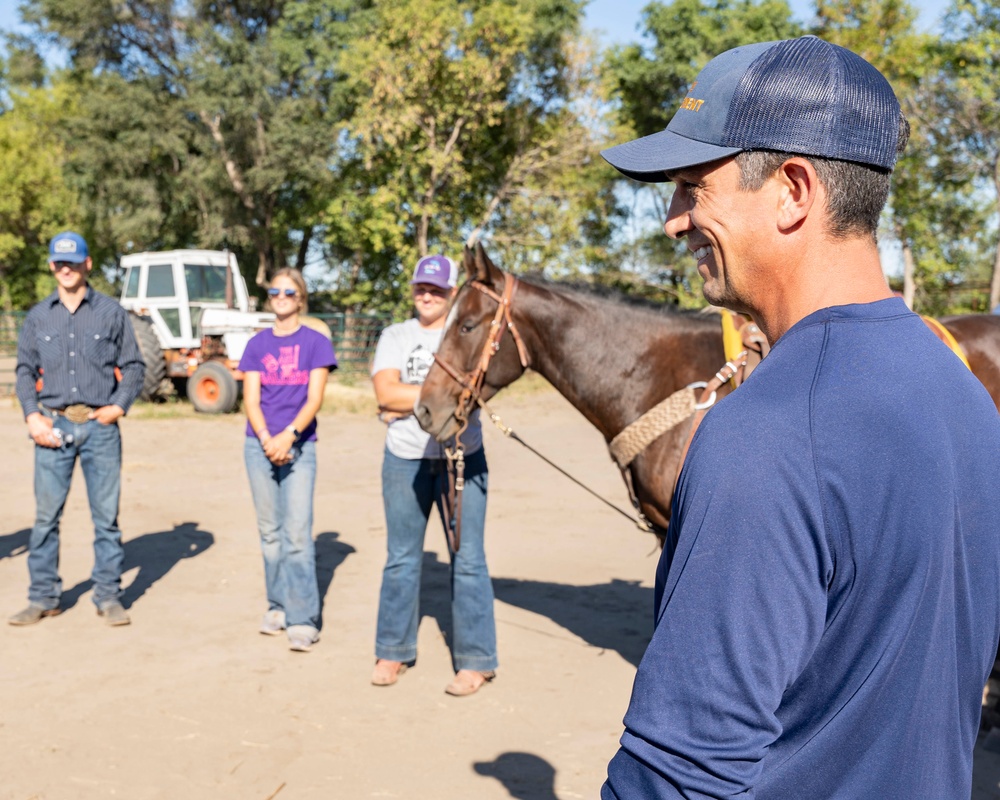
pixel 205 283
pixel 172 316
pixel 160 281
pixel 132 282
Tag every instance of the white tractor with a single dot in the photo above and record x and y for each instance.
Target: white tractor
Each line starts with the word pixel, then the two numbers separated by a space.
pixel 193 317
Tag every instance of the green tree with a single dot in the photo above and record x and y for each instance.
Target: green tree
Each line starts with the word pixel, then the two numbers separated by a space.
pixel 470 121
pixel 36 202
pixel 968 94
pixel 203 121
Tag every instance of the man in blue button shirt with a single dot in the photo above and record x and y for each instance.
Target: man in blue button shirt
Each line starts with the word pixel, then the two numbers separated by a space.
pixel 71 344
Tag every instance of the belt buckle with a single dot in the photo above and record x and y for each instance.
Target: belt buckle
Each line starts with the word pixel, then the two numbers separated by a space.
pixel 77 414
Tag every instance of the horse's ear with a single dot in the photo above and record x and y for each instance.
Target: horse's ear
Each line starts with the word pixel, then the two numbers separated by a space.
pixel 469 262
pixel 486 271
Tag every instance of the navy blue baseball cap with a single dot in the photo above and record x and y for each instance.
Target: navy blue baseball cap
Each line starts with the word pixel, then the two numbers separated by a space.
pixel 68 246
pixel 803 96
pixel 436 270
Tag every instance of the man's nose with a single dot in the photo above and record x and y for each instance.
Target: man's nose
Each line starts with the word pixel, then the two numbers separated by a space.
pixel 678 224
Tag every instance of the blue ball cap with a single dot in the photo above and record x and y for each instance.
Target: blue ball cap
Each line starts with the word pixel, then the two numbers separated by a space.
pixel 437 270
pixel 803 96
pixel 68 246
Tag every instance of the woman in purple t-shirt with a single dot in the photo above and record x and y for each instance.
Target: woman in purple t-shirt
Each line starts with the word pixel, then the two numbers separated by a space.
pixel 284 376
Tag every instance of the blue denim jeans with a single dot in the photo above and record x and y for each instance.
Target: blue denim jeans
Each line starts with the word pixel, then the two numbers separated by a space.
pixel 283 498
pixel 99 448
pixel 410 489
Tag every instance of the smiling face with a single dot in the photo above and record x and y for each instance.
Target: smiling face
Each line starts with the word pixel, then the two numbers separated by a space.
pixel 283 304
pixel 726 230
pixel 71 276
pixel 431 303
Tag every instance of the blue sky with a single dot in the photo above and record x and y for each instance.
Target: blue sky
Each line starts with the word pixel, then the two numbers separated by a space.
pixel 616 19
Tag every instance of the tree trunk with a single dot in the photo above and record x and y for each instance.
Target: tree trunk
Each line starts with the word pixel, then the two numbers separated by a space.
pixel 300 257
pixel 909 281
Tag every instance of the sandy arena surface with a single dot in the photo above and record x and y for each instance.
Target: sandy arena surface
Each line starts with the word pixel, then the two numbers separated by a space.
pixel 190 702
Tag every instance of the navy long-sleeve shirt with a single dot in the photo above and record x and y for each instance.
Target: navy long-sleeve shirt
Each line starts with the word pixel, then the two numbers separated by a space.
pixel 828 600
pixel 78 352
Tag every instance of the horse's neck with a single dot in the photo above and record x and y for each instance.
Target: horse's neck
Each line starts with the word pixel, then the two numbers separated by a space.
pixel 597 363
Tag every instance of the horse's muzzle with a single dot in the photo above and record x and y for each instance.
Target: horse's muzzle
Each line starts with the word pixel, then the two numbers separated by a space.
pixel 439 426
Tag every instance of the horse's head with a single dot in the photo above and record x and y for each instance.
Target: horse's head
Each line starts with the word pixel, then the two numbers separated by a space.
pixel 478 354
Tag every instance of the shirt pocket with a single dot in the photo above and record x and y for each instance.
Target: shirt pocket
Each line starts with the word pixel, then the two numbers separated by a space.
pixel 51 350
pixel 99 347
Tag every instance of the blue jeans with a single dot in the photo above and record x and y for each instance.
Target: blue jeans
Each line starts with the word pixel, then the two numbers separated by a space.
pixel 99 448
pixel 410 489
pixel 283 497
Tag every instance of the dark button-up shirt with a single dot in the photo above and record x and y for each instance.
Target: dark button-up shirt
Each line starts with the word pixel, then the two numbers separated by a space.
pixel 75 354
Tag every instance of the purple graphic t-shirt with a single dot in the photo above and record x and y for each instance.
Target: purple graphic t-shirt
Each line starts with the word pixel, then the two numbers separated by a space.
pixel 284 363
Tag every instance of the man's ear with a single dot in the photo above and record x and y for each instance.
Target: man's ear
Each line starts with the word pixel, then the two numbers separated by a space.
pixel 799 190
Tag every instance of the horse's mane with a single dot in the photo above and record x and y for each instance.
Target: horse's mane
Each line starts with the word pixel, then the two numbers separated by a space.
pixel 608 294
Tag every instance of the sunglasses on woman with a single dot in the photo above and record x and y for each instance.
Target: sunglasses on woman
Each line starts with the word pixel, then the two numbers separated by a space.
pixel 286 292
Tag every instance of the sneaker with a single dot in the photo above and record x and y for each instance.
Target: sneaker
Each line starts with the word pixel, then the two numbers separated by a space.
pixel 114 614
pixel 301 638
pixel 32 614
pixel 272 623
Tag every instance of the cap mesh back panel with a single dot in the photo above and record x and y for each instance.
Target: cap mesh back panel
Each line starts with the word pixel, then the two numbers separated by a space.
pixel 808 96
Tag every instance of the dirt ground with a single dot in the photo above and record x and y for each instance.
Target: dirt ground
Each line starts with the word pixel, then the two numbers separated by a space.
pixel 190 702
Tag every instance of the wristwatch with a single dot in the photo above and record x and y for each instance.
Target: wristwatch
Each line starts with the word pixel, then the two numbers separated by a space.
pixel 294 431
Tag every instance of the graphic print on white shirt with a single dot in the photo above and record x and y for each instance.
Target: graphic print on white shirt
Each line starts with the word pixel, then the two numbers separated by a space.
pixel 418 364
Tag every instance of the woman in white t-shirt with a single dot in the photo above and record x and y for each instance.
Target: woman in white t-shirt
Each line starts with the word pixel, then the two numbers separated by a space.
pixel 414 478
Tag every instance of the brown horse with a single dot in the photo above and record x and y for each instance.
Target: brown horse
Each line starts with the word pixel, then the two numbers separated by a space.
pixel 979 337
pixel 612 358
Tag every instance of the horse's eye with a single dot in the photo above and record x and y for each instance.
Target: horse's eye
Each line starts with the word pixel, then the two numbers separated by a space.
pixel 468 326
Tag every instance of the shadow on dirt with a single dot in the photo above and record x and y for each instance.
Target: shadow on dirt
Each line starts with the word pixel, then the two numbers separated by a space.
pixel 14 544
pixel 330 554
pixel 435 593
pixel 155 554
pixel 524 775
pixel 617 615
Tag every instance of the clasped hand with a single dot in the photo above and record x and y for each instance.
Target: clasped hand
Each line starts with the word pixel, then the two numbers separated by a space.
pixel 278 448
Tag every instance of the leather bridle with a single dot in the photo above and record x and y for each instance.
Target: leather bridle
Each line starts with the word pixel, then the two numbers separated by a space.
pixel 472 382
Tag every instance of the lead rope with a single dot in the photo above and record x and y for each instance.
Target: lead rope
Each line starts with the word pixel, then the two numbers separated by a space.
pixel 641 522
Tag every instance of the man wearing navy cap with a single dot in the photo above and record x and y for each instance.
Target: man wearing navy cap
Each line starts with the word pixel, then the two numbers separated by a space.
pixel 828 600
pixel 72 342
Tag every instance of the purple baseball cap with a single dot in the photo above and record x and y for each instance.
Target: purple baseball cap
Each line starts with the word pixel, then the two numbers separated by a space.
pixel 438 270
pixel 68 246
pixel 803 96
